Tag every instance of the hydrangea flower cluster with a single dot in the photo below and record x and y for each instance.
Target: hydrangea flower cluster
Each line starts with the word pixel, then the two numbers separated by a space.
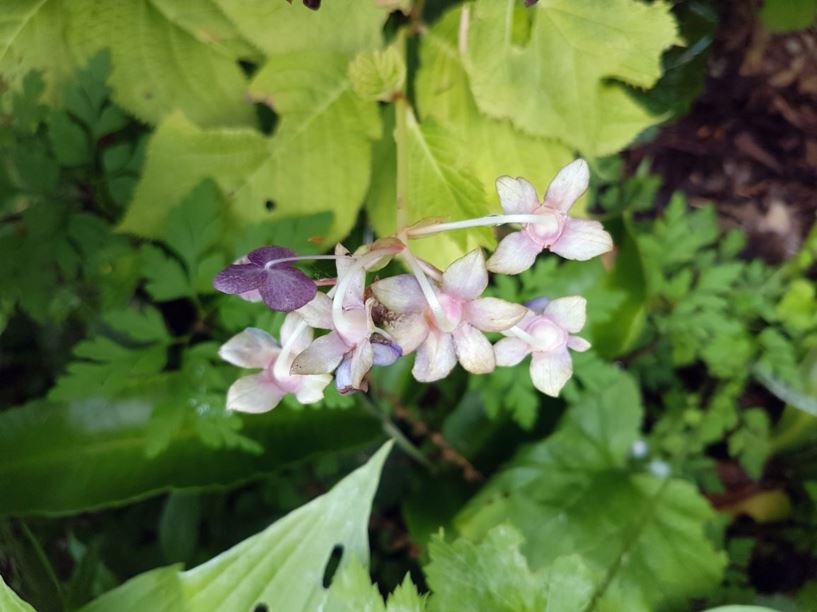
pixel 440 315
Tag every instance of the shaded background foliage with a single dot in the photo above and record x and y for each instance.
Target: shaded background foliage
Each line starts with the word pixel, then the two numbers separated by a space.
pixel 678 470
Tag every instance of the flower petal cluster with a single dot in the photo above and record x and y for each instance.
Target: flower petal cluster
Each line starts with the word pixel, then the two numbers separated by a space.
pixel 546 335
pixel 352 346
pixel 255 348
pixel 447 327
pixel 571 238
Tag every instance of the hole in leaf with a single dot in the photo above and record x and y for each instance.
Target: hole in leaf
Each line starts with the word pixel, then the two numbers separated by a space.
pixel 261 607
pixel 332 565
pixel 270 205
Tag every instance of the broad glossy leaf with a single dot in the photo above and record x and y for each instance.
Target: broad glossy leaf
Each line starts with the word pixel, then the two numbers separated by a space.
pixel 32 37
pixel 282 567
pixel 576 493
pixel 557 82
pixel 158 65
pixel 10 601
pixel 58 458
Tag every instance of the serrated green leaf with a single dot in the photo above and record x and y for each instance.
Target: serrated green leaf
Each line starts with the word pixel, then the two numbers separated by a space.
pixel 318 160
pixel 158 66
pixel 352 591
pixel 576 492
pixel 32 38
pixel 63 458
pixel 557 83
pixel 68 140
pixel 196 224
pixel 166 278
pixel 490 147
pixel 280 567
pixel 377 75
pixel 280 27
pixel 10 601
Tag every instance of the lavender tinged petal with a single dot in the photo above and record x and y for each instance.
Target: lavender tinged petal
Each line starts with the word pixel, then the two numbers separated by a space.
pixel 582 239
pixel 538 304
pixel 435 357
pixel 362 358
pixel 240 278
pixel 322 356
pixel 466 278
pixel 385 352
pixel 516 253
pixel 473 350
pixel 261 256
pixel 343 375
pixel 286 289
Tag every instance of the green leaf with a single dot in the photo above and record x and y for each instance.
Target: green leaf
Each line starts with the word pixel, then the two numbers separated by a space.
pixel 158 66
pixel 59 458
pixel 318 159
pixel 494 575
pixel 32 38
pixel 490 147
pixel 558 83
pixel 282 567
pixel 577 492
pixel 68 140
pixel 10 602
pixel 377 75
pixel 352 590
pixel 279 28
pixel 788 15
pixel 196 225
pixel 166 278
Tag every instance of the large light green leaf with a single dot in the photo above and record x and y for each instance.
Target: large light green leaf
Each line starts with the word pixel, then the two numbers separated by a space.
pixel 318 159
pixel 58 458
pixel 556 83
pixel 159 65
pixel 281 27
pixel 32 36
pixel 10 601
pixel 282 567
pixel 490 147
pixel 576 493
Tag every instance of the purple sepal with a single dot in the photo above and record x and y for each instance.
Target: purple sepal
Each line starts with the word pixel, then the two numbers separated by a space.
pixel 281 286
pixel 538 304
pixel 385 353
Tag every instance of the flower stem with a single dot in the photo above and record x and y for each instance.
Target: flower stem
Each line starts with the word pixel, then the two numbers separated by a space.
pixel 428 291
pixel 281 368
pixel 273 262
pixel 489 220
pixel 395 434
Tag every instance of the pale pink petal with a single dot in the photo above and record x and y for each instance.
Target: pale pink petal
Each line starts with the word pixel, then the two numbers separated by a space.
pixel 467 277
pixel 550 371
pixel 253 394
pixel 294 323
pixel 492 314
pixel 346 264
pixel 473 350
pixel 510 351
pixel 322 356
pixel 311 389
pixel 400 293
pixel 517 195
pixel 409 331
pixel 569 313
pixel 582 239
pixel 516 253
pixel 252 348
pixel 318 311
pixel 578 344
pixel 362 359
pixel 568 185
pixel 435 357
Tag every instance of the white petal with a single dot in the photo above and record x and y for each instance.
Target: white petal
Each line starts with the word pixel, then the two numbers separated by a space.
pixel 568 185
pixel 569 313
pixel 322 356
pixel 510 351
pixel 550 371
pixel 582 239
pixel 345 266
pixel 253 394
pixel 516 253
pixel 517 195
pixel 295 324
pixel 400 293
pixel 252 348
pixel 362 360
pixel 474 352
pixel 467 277
pixel 409 331
pixel 435 357
pixel 578 344
pixel 492 314
pixel 312 387
pixel 318 311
